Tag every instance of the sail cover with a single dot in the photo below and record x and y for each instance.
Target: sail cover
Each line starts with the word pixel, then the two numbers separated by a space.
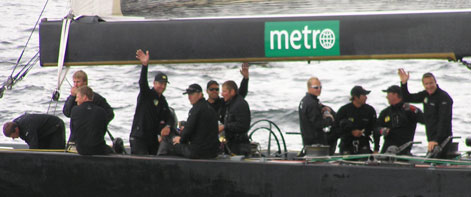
pixel 101 8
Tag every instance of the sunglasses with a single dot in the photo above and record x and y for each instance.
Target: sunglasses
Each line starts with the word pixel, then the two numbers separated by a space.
pixel 316 87
pixel 213 89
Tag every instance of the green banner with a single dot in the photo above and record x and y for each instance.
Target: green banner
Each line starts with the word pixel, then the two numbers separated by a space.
pixel 302 38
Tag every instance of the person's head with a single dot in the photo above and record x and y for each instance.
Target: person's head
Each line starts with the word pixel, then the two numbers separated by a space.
pixel 429 82
pixel 195 93
pixel 394 94
pixel 84 94
pixel 314 86
pixel 212 88
pixel 229 90
pixel 80 79
pixel 359 95
pixel 160 82
pixel 11 129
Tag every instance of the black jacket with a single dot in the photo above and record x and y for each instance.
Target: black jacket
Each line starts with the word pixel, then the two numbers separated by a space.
pixel 237 121
pixel 37 127
pixel 201 130
pixel 311 121
pixel 402 120
pixel 89 124
pixel 219 104
pixel 97 99
pixel 438 112
pixel 350 118
pixel 152 111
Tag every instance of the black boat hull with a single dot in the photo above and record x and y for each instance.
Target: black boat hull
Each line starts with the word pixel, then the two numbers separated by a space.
pixel 64 174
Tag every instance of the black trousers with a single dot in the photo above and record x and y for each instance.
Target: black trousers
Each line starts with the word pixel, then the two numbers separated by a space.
pixel 56 140
pixel 144 146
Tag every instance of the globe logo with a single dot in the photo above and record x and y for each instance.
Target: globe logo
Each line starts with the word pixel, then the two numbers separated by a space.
pixel 327 38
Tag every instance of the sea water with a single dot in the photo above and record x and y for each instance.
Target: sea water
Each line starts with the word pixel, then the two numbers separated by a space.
pixel 275 88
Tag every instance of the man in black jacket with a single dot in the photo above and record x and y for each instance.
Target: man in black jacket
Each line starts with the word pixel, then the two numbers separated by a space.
pixel 81 79
pixel 152 117
pixel 438 110
pixel 236 121
pixel 315 119
pixel 39 131
pixel 212 88
pixel 88 122
pixel 199 138
pixel 397 122
pixel 357 121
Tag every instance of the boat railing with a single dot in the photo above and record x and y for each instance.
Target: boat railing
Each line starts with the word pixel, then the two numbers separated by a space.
pixel 273 132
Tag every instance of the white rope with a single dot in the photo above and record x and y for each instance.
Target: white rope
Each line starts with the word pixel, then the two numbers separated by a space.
pixel 61 74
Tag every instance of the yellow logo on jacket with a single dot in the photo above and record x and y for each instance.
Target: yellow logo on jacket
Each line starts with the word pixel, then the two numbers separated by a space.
pixel 387 119
pixel 156 102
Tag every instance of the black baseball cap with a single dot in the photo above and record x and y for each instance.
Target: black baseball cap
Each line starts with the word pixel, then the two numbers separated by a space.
pixel 161 77
pixel 211 83
pixel 193 88
pixel 358 90
pixel 394 89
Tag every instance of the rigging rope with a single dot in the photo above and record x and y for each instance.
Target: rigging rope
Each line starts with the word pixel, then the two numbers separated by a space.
pixel 8 84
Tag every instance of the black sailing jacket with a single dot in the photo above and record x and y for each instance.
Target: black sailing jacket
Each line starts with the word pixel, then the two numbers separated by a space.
pixel 438 112
pixel 152 111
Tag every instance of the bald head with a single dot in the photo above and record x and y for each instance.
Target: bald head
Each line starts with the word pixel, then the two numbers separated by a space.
pixel 314 86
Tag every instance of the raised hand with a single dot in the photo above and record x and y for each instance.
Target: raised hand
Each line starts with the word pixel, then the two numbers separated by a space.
pixel 245 70
pixel 143 57
pixel 403 75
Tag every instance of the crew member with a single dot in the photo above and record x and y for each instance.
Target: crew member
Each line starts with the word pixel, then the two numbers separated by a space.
pixel 357 121
pixel 397 122
pixel 88 122
pixel 39 131
pixel 212 88
pixel 316 120
pixel 152 116
pixel 81 79
pixel 199 138
pixel 236 120
pixel 438 107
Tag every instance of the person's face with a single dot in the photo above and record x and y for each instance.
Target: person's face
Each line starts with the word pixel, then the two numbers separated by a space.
pixel 227 94
pixel 194 97
pixel 316 88
pixel 15 134
pixel 393 98
pixel 430 85
pixel 159 87
pixel 79 82
pixel 79 98
pixel 361 99
pixel 213 91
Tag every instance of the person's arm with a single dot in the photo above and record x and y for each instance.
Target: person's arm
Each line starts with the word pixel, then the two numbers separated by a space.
pixel 407 96
pixel 414 113
pixel 32 138
pixel 306 114
pixel 144 59
pixel 413 98
pixel 68 105
pixel 73 117
pixel 344 124
pixel 444 120
pixel 101 102
pixel 371 127
pixel 380 126
pixel 190 125
pixel 244 84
